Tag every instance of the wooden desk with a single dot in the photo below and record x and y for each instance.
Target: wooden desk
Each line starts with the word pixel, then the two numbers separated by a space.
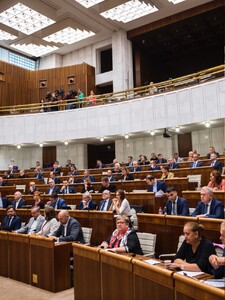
pixel 152 282
pixel 193 197
pixel 117 277
pixel 189 289
pixel 103 225
pixel 6 190
pixel 86 271
pixel 19 257
pixel 50 264
pixel 4 254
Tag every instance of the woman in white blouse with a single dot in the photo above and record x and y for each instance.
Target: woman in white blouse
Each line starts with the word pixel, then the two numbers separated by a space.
pixel 50 224
pixel 120 204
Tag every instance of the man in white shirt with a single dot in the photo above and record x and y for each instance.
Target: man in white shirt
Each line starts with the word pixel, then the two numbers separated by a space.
pixel 34 224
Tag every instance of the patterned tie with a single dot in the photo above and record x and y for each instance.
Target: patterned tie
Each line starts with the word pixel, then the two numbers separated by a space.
pixel 173 208
pixel 206 209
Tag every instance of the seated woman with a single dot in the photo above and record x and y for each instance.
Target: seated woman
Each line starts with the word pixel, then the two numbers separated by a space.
pixel 194 252
pixel 88 187
pixel 87 203
pixel 117 168
pixel 123 239
pixel 126 175
pixel 216 181
pixel 166 174
pixel 37 200
pixel 91 98
pixel 120 205
pixel 50 224
pixel 143 160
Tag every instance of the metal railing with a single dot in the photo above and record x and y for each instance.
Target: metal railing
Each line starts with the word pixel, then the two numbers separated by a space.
pixel 139 92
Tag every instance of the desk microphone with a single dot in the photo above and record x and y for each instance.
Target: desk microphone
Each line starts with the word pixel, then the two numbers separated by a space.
pixel 133 254
pixel 101 247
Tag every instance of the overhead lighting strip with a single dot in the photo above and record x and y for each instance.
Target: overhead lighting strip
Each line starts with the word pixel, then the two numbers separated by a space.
pixel 88 3
pixel 6 36
pixel 129 11
pixel 24 19
pixel 34 49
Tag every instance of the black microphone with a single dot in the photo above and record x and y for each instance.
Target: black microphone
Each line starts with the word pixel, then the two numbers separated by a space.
pixel 133 254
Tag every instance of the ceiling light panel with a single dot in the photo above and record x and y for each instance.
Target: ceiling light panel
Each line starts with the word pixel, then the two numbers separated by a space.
pixel 24 19
pixel 176 1
pixel 6 36
pixel 88 3
pixel 68 35
pixel 129 11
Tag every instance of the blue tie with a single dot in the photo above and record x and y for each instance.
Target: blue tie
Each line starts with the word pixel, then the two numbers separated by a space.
pixel 103 205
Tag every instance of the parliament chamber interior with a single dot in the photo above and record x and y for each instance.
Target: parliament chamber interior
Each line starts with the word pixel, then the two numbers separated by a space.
pixel 123 97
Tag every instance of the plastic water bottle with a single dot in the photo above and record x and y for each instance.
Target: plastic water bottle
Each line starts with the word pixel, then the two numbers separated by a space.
pixel 160 211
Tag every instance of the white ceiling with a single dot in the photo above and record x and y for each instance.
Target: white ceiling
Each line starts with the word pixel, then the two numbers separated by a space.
pixel 89 18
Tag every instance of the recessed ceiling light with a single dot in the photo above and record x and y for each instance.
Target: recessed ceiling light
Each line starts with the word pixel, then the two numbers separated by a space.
pixel 66 143
pixel 24 19
pixel 177 129
pixel 18 146
pixel 176 1
pixel 41 145
pixel 102 139
pixel 6 36
pixel 126 136
pixel 207 124
pixel 129 11
pixel 152 132
pixel 88 3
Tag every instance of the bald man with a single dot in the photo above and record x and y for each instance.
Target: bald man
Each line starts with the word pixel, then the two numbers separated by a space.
pixel 69 229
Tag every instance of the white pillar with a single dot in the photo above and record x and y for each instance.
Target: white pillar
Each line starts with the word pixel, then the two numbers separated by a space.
pixel 122 62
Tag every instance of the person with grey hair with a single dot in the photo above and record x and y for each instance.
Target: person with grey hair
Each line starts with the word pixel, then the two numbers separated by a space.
pixel 209 207
pixel 35 222
pixel 86 203
pixel 218 262
pixel 18 202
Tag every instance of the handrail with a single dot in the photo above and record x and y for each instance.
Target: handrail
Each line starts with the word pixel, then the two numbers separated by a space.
pixel 143 91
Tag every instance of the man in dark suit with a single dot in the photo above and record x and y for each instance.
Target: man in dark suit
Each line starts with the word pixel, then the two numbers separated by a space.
pixel 136 167
pixel 171 163
pixel 86 203
pixel 196 162
pixel 110 176
pixel 73 170
pixel 32 188
pixel 69 229
pixel 154 185
pixel 106 201
pixel 175 205
pixel 215 163
pixel 53 177
pixel 39 175
pixel 56 202
pixel 153 166
pixel 55 169
pixel 160 159
pixel 99 164
pixel 52 187
pixel 2 182
pixel 11 220
pixel 3 201
pixel 19 202
pixel 209 207
pixel 66 188
pixel 107 186
pixel 212 150
pixel 87 176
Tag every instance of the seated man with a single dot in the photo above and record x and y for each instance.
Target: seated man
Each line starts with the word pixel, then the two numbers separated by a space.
pixel 34 224
pixel 56 169
pixel 32 188
pixel 19 202
pixel 171 163
pixel 39 174
pixel 175 205
pixel 88 176
pixel 107 186
pixel 99 164
pixel 56 202
pixel 153 166
pixel 211 150
pixel 196 162
pixel 55 178
pixel 52 187
pixel 123 239
pixel 135 167
pixel 110 175
pixel 66 188
pixel 209 207
pixel 73 170
pixel 217 262
pixel 155 185
pixel 86 203
pixel 129 162
pixel 11 221
pixel 69 229
pixel 106 201
pixel 215 163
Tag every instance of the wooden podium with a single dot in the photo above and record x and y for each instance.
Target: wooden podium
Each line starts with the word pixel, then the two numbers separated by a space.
pixel 50 264
pixel 87 272
pixel 19 257
pixel 4 254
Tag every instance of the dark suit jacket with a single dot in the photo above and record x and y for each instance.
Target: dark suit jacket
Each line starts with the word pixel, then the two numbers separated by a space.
pixel 128 177
pixel 199 164
pixel 209 155
pixel 157 168
pixel 22 203
pixel 90 177
pixel 31 192
pixel 73 233
pixel 112 178
pixel 217 166
pixel 103 166
pixel 61 204
pixel 91 206
pixel 3 183
pixel 138 169
pixel 5 202
pixel 56 171
pixel 71 190
pixel 160 186
pixel 55 190
pixel 15 223
pixel 39 176
pixel 173 166
pixel 57 180
pixel 102 202
pixel 216 209
pixel 182 207
pixel 111 188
